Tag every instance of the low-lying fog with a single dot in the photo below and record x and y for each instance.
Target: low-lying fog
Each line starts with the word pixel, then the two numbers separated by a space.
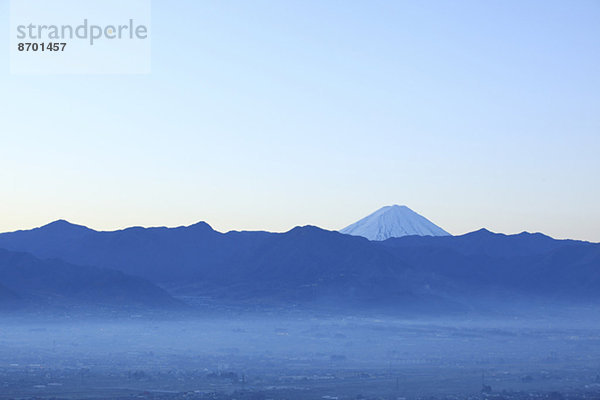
pixel 297 357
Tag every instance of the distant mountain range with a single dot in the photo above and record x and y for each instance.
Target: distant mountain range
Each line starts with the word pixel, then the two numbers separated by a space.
pixel 483 262
pixel 306 265
pixel 392 222
pixel 29 282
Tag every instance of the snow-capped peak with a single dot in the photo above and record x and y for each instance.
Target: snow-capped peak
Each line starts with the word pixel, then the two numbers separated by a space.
pixel 393 221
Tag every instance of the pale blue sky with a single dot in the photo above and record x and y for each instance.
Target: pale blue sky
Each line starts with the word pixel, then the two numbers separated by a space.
pixel 271 114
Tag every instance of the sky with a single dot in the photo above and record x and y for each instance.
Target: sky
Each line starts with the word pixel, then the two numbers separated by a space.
pixel 265 115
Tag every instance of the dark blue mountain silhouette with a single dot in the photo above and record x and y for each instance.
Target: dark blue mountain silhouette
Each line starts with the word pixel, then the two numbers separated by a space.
pixel 8 298
pixel 304 264
pixel 309 263
pixel 158 254
pixel 484 242
pixel 29 281
pixel 525 263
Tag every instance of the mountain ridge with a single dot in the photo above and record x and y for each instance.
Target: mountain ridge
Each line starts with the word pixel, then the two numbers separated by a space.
pixel 309 263
pixel 36 282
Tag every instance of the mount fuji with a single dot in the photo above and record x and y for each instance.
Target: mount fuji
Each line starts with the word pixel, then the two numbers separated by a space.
pixel 392 222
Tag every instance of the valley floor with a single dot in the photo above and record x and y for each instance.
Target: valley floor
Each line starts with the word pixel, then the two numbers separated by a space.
pixel 308 357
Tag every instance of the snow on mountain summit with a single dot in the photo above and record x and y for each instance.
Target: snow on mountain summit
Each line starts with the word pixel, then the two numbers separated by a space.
pixel 393 221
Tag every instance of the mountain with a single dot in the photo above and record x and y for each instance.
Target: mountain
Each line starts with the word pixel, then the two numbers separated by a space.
pixel 312 265
pixel 306 264
pixel 527 263
pixel 393 221
pixel 8 298
pixel 162 255
pixel 29 281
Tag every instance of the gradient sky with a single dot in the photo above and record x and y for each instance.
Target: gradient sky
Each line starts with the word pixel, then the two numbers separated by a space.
pixel 272 114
